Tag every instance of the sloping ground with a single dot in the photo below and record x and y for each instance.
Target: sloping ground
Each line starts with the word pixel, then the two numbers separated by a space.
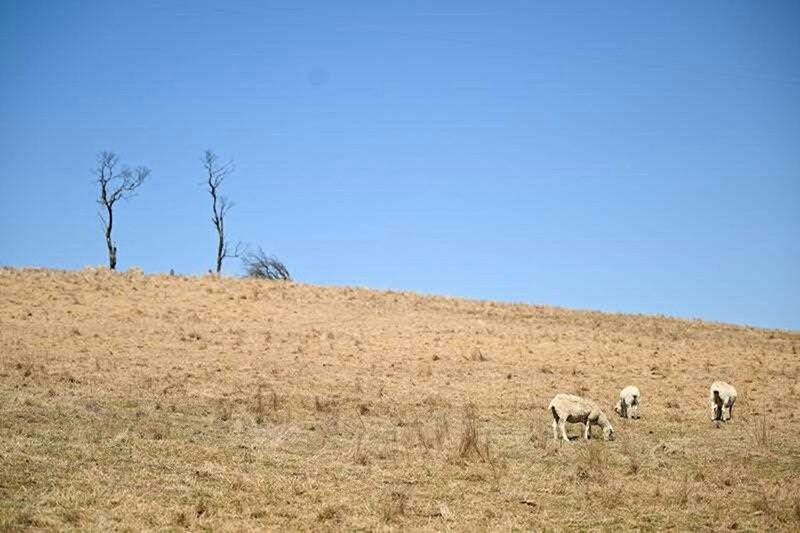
pixel 132 401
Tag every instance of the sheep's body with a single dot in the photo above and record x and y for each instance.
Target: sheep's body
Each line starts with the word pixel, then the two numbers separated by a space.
pixel 574 409
pixel 721 396
pixel 628 404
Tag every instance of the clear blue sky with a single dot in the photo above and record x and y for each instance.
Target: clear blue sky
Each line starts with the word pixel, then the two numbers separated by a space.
pixel 625 156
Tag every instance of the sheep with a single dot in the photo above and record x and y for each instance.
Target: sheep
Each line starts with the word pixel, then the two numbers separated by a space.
pixel 721 395
pixel 629 399
pixel 574 409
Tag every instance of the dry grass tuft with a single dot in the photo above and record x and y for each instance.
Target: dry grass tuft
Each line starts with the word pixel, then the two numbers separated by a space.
pixel 394 506
pixel 422 437
pixel 324 406
pixel 761 504
pixel 328 512
pixel 71 517
pixel 633 456
pixel 761 432
pixel 469 444
pixel 594 456
pixel 441 429
pixel 477 355
pixel 259 407
pixel 361 453
pixel 225 409
pixel 682 493
pixel 201 508
pixel 497 465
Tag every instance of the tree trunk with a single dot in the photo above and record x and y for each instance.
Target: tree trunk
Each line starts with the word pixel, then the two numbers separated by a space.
pixel 112 250
pixel 218 223
pixel 220 250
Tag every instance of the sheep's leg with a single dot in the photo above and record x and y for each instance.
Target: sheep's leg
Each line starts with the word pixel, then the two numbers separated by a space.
pixel 587 433
pixel 563 427
pixel 555 430
pixel 730 411
pixel 623 408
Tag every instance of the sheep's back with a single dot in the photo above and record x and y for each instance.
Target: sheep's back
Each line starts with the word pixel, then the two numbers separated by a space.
pixel 572 408
pixel 725 390
pixel 629 392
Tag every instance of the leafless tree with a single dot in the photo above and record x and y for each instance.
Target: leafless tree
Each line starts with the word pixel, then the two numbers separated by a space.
pixel 260 265
pixel 219 204
pixel 115 185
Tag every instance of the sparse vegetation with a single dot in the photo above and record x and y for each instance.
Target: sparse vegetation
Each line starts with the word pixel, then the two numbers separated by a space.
pixel 167 402
pixel 259 265
pixel 633 456
pixel 259 408
pixel 329 512
pixel 469 445
pixel 682 493
pixel 595 455
pixel 394 506
pixel 761 431
pixel 441 429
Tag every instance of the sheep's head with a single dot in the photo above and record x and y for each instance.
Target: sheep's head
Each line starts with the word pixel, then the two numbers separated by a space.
pixel 608 432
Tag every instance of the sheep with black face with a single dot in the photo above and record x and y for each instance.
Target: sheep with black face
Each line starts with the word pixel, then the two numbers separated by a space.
pixel 628 404
pixel 721 396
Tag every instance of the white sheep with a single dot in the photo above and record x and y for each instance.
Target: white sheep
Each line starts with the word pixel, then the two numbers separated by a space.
pixel 629 400
pixel 574 409
pixel 721 395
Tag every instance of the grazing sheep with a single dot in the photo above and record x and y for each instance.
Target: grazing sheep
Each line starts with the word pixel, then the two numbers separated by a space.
pixel 721 395
pixel 629 399
pixel 574 409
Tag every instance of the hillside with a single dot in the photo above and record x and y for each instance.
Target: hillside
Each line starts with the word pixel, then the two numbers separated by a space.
pixel 134 401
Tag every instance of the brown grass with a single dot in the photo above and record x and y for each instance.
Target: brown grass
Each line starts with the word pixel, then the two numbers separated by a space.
pixel 393 506
pixel 160 402
pixel 761 432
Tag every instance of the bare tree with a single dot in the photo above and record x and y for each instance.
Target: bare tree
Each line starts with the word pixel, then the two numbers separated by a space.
pixel 219 204
pixel 260 265
pixel 114 186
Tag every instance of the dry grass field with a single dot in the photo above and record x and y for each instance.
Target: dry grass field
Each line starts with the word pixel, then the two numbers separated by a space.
pixel 165 402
